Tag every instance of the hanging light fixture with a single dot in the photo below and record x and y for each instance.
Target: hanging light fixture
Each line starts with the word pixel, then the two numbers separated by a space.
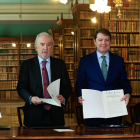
pixel 100 6
pixel 118 4
pixel 63 1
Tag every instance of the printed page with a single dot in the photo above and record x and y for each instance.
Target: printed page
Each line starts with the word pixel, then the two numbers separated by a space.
pixel 112 105
pixel 50 101
pixel 53 90
pixel 92 104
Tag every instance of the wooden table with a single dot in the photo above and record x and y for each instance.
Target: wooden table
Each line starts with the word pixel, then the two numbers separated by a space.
pixel 80 133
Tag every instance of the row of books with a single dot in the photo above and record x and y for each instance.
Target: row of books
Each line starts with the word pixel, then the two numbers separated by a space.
pixel 87 33
pixel 87 24
pixel 56 50
pixel 9 76
pixel 8 85
pixel 57 56
pixel 134 3
pixel 68 31
pixel 28 51
pixel 70 66
pixel 87 14
pixel 8 63
pixel 125 40
pixel 133 71
pixel 68 44
pixel 129 14
pixel 14 51
pixel 24 46
pixel 135 87
pixel 26 56
pixel 8 69
pixel 135 100
pixel 69 52
pixel 7 46
pixel 123 26
pixel 126 3
pixel 71 75
pixel 56 41
pixel 129 54
pixel 9 95
pixel 69 59
pixel 68 25
pixel 69 38
pixel 87 51
pixel 87 43
pixel 56 34
pixel 8 57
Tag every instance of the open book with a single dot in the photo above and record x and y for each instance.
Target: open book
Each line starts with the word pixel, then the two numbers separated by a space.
pixel 53 90
pixel 105 104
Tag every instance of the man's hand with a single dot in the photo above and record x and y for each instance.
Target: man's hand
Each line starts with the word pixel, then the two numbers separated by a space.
pixel 36 100
pixel 61 98
pixel 126 97
pixel 80 100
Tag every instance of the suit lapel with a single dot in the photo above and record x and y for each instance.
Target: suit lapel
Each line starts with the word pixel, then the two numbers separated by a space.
pixel 53 66
pixel 111 65
pixel 36 71
pixel 97 66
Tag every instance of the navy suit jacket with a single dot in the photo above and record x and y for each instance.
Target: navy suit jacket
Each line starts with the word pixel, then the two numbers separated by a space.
pixel 90 75
pixel 30 84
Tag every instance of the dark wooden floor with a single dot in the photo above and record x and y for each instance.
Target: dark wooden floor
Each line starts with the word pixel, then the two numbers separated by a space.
pixel 9 115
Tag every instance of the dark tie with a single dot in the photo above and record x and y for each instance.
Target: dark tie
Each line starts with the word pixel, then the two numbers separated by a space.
pixel 104 67
pixel 45 83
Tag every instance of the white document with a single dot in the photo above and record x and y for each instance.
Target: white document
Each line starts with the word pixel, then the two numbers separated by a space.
pixel 0 115
pixel 53 90
pixel 105 104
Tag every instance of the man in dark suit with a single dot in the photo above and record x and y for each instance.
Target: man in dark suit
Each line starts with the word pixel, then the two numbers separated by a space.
pixel 30 85
pixel 91 76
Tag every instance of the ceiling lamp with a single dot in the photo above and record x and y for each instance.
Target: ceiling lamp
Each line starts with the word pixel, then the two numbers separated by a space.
pixel 118 4
pixel 63 1
pixel 100 6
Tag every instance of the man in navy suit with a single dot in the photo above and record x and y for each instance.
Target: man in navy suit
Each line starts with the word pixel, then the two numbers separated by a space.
pixel 30 85
pixel 90 75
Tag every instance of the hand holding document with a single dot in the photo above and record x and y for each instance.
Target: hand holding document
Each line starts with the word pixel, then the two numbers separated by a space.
pixel 105 104
pixel 53 90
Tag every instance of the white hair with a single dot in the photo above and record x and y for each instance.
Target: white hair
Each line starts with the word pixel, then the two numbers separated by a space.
pixel 43 33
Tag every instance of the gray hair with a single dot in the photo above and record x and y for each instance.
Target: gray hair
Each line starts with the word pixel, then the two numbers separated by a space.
pixel 43 33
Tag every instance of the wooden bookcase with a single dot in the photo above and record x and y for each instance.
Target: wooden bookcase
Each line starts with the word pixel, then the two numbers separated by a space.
pixel 54 32
pixel 84 30
pixel 67 53
pixel 11 57
pixel 125 42
pixel 66 43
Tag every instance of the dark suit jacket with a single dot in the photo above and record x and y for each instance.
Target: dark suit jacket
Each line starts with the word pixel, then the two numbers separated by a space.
pixel 30 84
pixel 90 75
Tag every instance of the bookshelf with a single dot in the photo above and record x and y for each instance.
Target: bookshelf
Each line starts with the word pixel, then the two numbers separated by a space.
pixel 67 53
pixel 13 50
pixel 26 49
pixel 9 54
pixel 66 40
pixel 125 42
pixel 54 32
pixel 84 30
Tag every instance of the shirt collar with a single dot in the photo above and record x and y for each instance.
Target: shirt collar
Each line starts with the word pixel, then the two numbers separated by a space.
pixel 40 60
pixel 99 55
